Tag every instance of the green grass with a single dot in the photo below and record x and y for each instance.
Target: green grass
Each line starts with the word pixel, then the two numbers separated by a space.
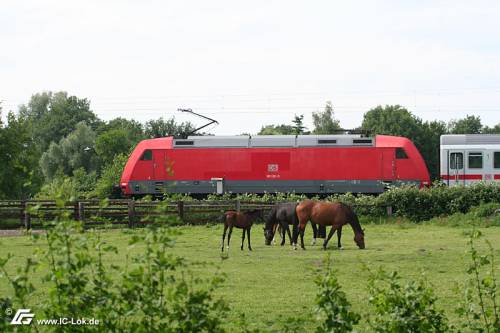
pixel 273 282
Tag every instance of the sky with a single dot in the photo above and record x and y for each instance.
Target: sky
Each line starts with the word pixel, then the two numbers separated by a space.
pixel 251 63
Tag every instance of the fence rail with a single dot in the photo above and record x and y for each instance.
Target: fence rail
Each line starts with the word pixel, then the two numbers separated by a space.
pixel 126 212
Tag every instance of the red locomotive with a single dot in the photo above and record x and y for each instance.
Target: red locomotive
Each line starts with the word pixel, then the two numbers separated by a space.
pixel 257 164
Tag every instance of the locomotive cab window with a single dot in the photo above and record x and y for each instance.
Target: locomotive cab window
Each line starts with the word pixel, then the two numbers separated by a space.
pixel 456 161
pixel 147 155
pixel 475 160
pixel 496 160
pixel 400 153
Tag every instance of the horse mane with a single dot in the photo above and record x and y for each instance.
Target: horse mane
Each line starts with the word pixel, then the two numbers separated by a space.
pixel 353 220
pixel 271 218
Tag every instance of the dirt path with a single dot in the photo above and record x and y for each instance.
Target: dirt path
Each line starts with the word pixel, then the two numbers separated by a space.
pixel 18 232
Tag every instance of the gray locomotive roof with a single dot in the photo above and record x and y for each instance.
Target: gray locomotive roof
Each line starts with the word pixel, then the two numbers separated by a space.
pixel 471 139
pixel 274 141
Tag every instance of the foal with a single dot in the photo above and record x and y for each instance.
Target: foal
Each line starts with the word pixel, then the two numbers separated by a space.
pixel 239 220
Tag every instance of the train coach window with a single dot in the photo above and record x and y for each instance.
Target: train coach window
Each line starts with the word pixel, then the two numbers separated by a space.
pixel 456 161
pixel 496 160
pixel 400 153
pixel 475 160
pixel 147 155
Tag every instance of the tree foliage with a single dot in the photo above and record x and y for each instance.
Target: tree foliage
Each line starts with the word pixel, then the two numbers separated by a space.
pixel 54 116
pixel 392 120
pixel 160 128
pixel 112 143
pixel 325 122
pixel 467 125
pixel 19 175
pixel 276 130
pixel 72 152
pixel 298 125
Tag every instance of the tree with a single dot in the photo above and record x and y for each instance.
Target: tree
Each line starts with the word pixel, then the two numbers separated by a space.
pixel 396 120
pixel 324 122
pixel 298 127
pixel 492 130
pixel 467 125
pixel 276 130
pixel 54 116
pixel 19 175
pixel 392 120
pixel 111 143
pixel 160 128
pixel 429 145
pixel 134 129
pixel 71 153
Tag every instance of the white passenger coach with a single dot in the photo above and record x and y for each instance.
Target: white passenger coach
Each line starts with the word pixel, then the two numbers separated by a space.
pixel 470 158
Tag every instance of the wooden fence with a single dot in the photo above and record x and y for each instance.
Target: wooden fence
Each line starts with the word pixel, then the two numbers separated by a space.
pixel 28 213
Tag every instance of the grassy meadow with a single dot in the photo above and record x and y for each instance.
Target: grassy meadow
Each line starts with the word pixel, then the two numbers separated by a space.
pixel 272 283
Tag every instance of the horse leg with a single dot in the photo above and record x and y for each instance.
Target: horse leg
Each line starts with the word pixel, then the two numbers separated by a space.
pixel 289 235
pixel 229 236
pixel 302 238
pixel 339 236
pixel 243 238
pixel 330 234
pixel 249 246
pixel 224 236
pixel 275 227
pixel 284 227
pixel 295 236
pixel 315 233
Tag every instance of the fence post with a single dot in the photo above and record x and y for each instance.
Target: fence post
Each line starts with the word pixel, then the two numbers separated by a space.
pixel 76 212
pixel 81 211
pixel 238 205
pixel 131 213
pixel 389 210
pixel 180 209
pixel 27 217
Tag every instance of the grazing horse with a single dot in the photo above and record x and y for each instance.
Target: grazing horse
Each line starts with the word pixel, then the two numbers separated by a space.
pixel 239 220
pixel 282 214
pixel 316 232
pixel 335 214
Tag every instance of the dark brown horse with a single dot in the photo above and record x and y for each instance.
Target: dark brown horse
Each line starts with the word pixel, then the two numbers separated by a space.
pixel 282 215
pixel 240 220
pixel 335 214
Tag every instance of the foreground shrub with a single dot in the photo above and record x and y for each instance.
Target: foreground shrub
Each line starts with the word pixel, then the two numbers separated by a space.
pixel 153 291
pixel 332 307
pixel 403 308
pixel 480 306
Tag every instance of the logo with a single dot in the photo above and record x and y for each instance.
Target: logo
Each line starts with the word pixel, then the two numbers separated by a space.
pixel 22 317
pixel 272 168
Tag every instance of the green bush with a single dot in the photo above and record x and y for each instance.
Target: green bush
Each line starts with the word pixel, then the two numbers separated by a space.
pixel 153 291
pixel 480 306
pixel 423 204
pixel 332 307
pixel 403 308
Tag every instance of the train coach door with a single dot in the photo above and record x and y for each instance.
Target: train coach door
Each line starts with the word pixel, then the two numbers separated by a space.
pixel 456 169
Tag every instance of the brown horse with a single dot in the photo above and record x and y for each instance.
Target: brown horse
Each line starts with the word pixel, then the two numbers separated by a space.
pixel 335 214
pixel 239 220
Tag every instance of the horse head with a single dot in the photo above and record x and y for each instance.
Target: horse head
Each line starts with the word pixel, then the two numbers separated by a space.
pixel 268 227
pixel 359 238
